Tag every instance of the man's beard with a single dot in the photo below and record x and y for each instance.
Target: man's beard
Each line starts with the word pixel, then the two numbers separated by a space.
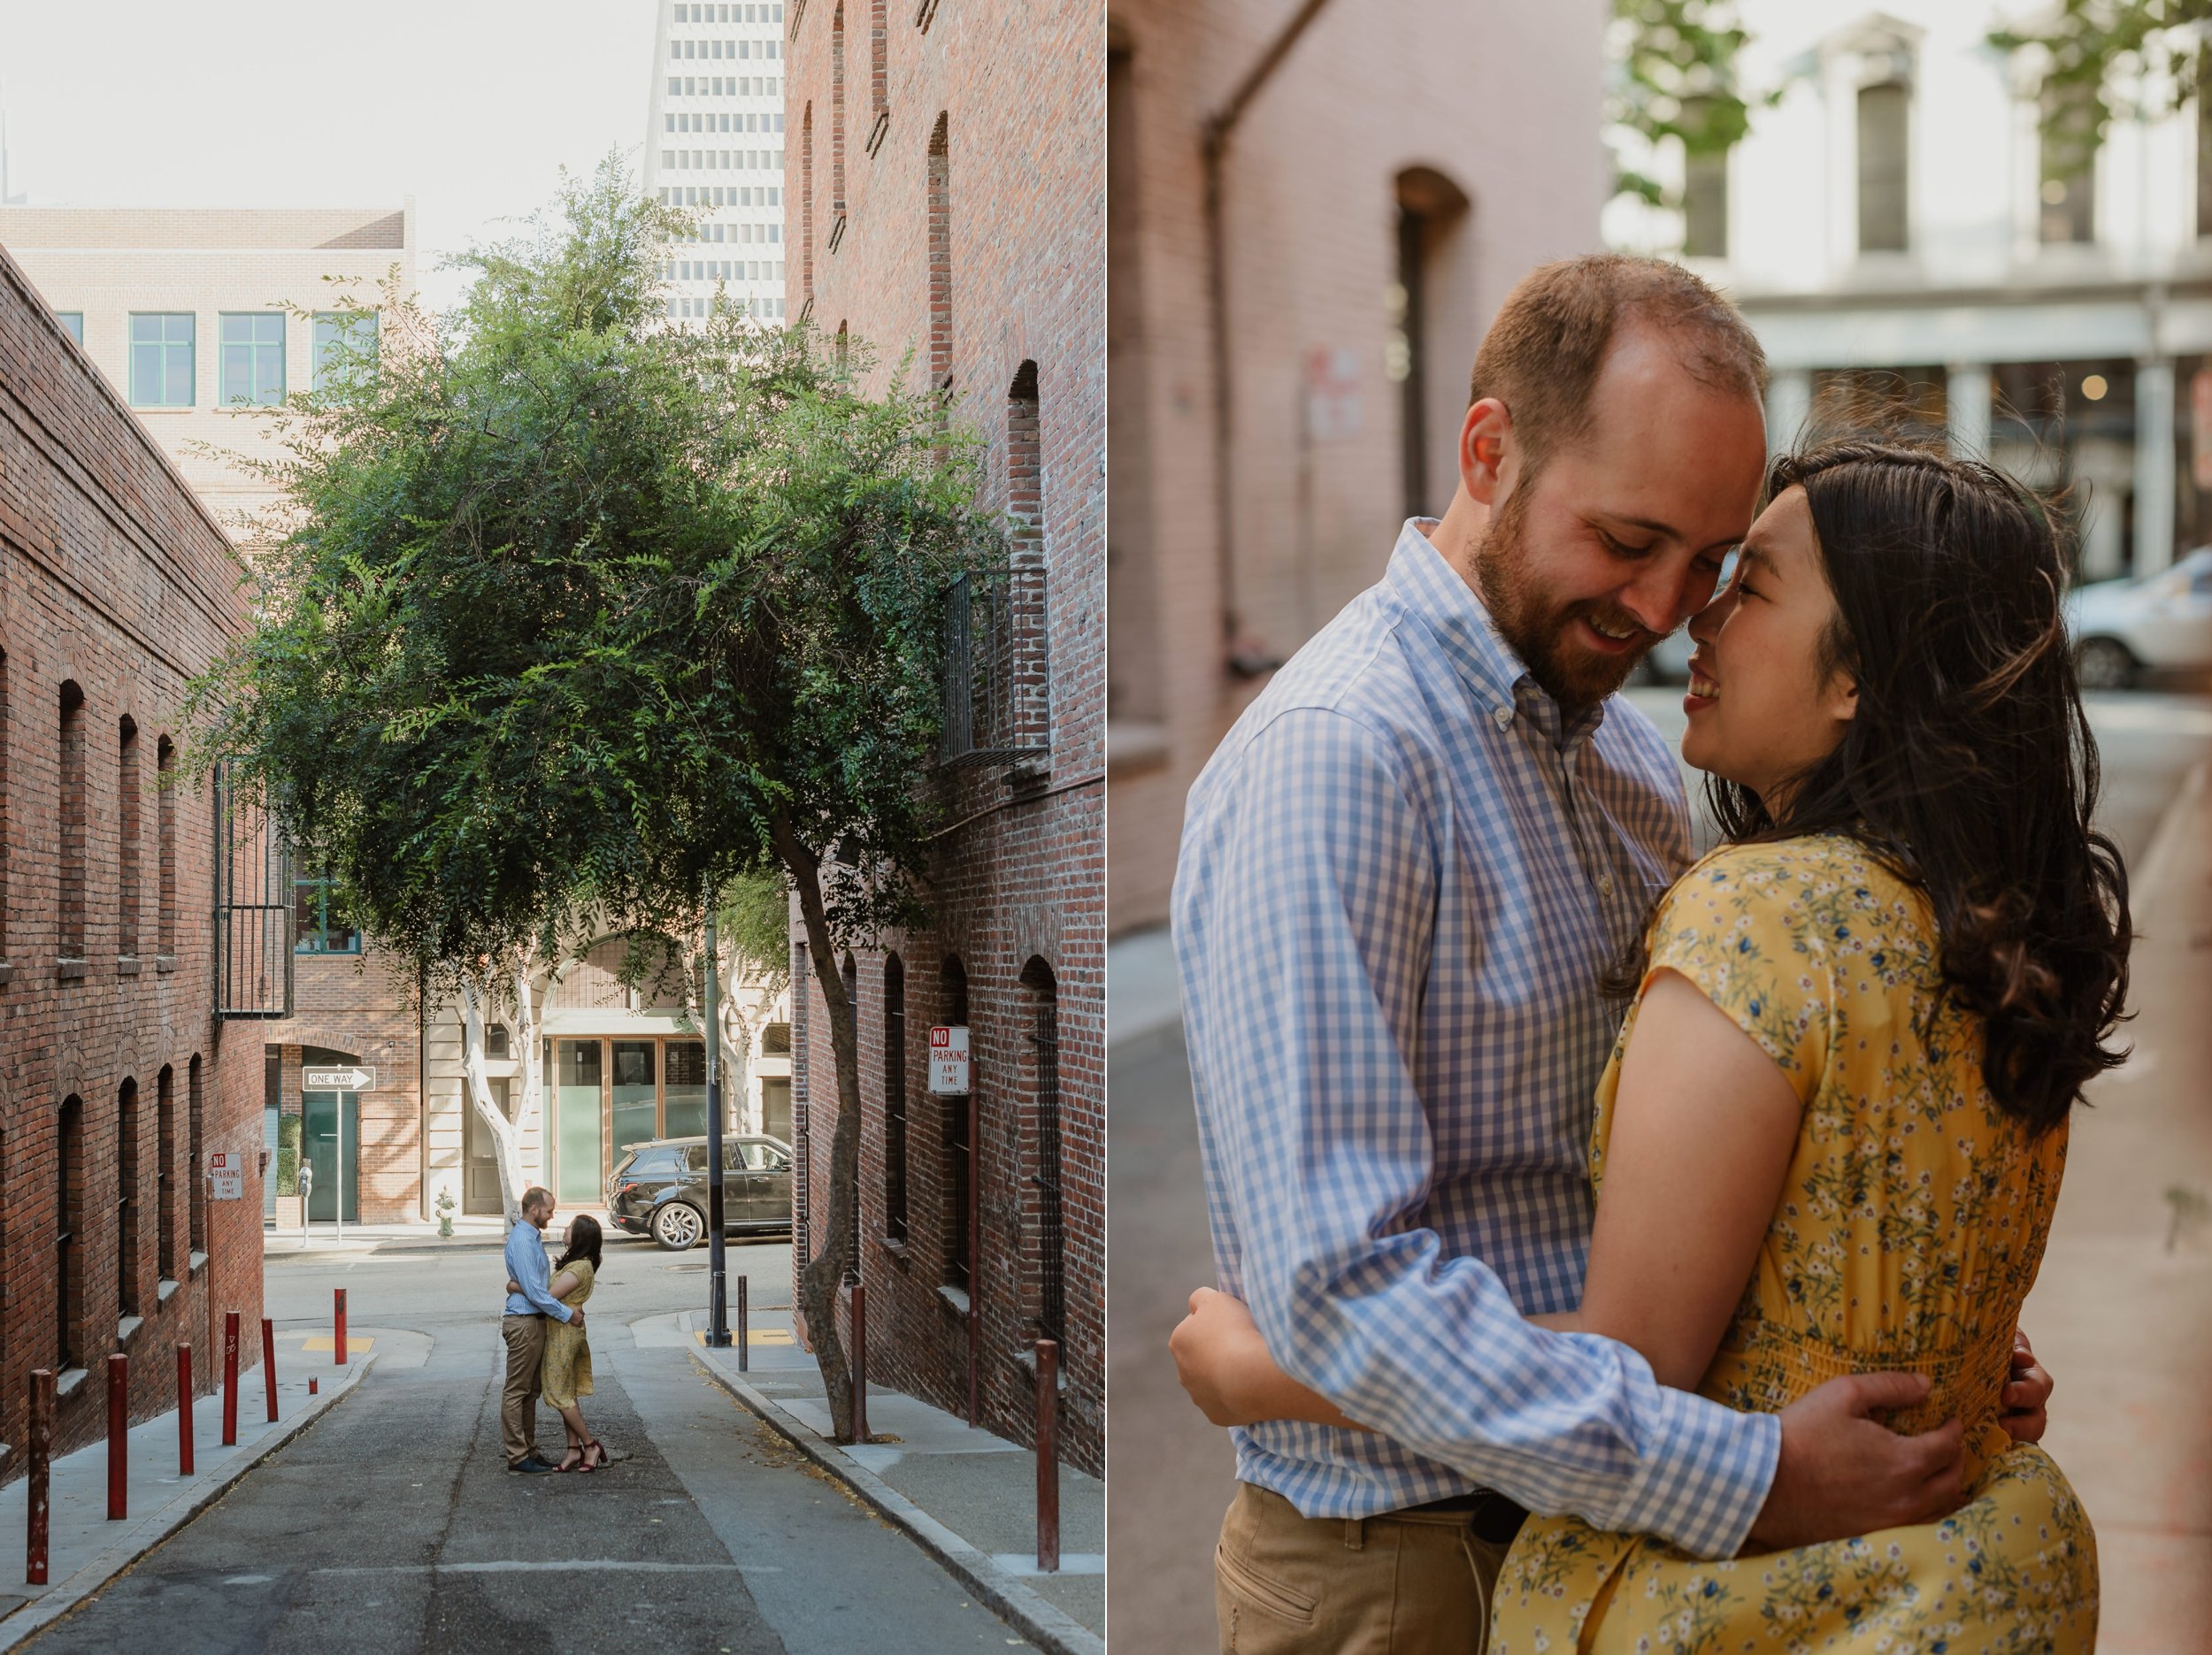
pixel 1535 628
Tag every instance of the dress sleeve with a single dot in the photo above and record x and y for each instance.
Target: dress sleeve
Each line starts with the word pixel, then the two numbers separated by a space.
pixel 1745 925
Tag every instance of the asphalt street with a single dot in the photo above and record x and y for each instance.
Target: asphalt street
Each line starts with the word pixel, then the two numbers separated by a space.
pixel 392 1525
pixel 1171 1474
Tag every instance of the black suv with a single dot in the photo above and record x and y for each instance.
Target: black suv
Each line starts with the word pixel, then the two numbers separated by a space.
pixel 660 1189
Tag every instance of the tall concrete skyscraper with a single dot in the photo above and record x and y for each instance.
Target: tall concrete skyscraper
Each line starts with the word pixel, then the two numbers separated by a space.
pixel 715 142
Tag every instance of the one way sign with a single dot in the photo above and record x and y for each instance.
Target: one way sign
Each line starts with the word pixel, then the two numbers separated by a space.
pixel 337 1079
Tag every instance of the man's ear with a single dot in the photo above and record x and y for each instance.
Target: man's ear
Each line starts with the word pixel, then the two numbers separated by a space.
pixel 1485 442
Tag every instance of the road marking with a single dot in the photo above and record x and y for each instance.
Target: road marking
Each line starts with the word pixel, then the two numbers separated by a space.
pixel 248 1579
pixel 759 1335
pixel 519 1566
pixel 329 1342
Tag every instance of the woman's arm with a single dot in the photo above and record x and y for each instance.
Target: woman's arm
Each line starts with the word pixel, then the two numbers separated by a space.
pixel 1703 1126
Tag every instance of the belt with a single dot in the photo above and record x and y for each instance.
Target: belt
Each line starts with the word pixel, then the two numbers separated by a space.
pixel 534 1316
pixel 1492 1516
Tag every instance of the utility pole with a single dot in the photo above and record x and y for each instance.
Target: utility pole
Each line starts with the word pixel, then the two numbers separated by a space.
pixel 717 1297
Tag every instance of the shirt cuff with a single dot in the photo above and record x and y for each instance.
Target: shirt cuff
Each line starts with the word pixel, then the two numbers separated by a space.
pixel 1704 1476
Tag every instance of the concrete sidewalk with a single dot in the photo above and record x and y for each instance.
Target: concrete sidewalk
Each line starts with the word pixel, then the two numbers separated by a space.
pixel 966 1497
pixel 2124 1320
pixel 470 1234
pixel 84 1549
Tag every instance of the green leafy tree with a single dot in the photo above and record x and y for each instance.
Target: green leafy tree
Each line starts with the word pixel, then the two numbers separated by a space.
pixel 2096 57
pixel 1674 76
pixel 572 616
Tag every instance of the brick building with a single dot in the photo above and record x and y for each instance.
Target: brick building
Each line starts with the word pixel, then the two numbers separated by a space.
pixel 947 178
pixel 1381 182
pixel 119 1081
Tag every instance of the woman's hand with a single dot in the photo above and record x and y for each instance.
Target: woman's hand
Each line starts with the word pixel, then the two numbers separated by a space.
pixel 1225 1365
pixel 1216 1347
pixel 513 1286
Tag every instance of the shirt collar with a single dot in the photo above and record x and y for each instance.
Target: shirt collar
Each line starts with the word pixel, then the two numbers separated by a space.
pixel 1501 687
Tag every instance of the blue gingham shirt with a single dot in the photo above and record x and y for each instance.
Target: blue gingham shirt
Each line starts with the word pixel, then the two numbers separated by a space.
pixel 1402 877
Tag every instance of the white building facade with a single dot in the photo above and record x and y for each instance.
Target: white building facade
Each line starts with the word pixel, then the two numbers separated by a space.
pixel 1901 232
pixel 714 142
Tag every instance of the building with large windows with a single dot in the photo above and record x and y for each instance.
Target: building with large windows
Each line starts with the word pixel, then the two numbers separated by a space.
pixel 1905 231
pixel 958 230
pixel 125 1087
pixel 714 141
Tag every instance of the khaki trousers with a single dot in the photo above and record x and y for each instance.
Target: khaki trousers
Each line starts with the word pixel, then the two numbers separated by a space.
pixel 518 1402
pixel 1406 1583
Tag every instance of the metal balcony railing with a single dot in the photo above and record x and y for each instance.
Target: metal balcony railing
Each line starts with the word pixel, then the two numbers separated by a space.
pixel 253 908
pixel 995 670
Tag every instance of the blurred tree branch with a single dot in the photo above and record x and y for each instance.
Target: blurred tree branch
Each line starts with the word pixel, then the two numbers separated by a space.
pixel 2087 47
pixel 1674 76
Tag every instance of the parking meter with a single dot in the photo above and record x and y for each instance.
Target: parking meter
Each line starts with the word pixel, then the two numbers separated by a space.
pixel 307 1188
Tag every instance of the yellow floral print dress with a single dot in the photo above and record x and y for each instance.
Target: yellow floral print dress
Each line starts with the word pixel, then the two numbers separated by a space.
pixel 1908 1232
pixel 564 1373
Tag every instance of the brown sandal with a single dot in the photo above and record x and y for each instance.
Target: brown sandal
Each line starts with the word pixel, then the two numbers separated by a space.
pixel 604 1458
pixel 582 1459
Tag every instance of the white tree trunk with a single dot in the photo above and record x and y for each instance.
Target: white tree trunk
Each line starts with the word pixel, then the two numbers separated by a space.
pixel 526 1031
pixel 506 1139
pixel 736 1037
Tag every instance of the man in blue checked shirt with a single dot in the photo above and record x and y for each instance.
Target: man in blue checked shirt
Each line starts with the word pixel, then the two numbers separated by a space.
pixel 1403 877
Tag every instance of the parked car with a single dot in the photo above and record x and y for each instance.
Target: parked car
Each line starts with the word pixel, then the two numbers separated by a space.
pixel 2155 623
pixel 660 1189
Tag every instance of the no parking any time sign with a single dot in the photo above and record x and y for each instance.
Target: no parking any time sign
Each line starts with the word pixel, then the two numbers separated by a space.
pixel 949 1061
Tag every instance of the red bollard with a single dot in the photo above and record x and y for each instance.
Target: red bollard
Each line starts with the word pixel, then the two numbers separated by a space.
pixel 860 1363
pixel 1048 1456
pixel 744 1338
pixel 230 1379
pixel 268 1364
pixel 118 1436
pixel 314 1386
pixel 184 1410
pixel 42 1453
pixel 338 1345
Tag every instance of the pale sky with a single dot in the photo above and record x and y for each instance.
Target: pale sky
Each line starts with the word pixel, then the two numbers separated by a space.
pixel 471 106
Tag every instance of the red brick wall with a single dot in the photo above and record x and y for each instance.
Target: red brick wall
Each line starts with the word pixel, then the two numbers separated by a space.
pixel 113 578
pixel 1015 207
pixel 1499 98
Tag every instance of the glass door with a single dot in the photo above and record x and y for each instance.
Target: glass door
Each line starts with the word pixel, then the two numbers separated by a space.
pixel 635 1106
pixel 324 1114
pixel 479 1179
pixel 576 1109
pixel 687 1089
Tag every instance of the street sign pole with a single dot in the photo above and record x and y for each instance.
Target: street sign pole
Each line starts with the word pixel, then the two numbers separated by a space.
pixel 717 1305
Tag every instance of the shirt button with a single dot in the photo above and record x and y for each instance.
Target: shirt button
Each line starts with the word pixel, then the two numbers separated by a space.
pixel 1605 884
pixel 1502 716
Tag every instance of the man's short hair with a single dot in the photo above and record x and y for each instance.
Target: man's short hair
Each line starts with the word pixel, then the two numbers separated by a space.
pixel 535 1196
pixel 1546 347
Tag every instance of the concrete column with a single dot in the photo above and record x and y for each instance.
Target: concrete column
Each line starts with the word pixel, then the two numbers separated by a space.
pixel 1967 394
pixel 2153 465
pixel 1789 402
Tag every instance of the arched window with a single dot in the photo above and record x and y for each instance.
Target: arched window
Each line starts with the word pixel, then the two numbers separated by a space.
pixel 72 831
pixel 166 1171
pixel 957 1143
pixel 69 1234
pixel 1030 713
pixel 806 207
pixel 6 810
pixel 166 848
pixel 128 1168
pixel 837 126
pixel 1047 1251
pixel 1434 297
pixel 940 211
pixel 878 72
pixel 196 1180
pixel 895 1098
pixel 127 847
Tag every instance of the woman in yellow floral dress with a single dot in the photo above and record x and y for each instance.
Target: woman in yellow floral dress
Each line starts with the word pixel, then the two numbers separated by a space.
pixel 1857 1031
pixel 564 1373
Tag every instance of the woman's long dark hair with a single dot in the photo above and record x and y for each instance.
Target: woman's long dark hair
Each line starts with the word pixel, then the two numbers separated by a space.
pixel 1969 767
pixel 583 1243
